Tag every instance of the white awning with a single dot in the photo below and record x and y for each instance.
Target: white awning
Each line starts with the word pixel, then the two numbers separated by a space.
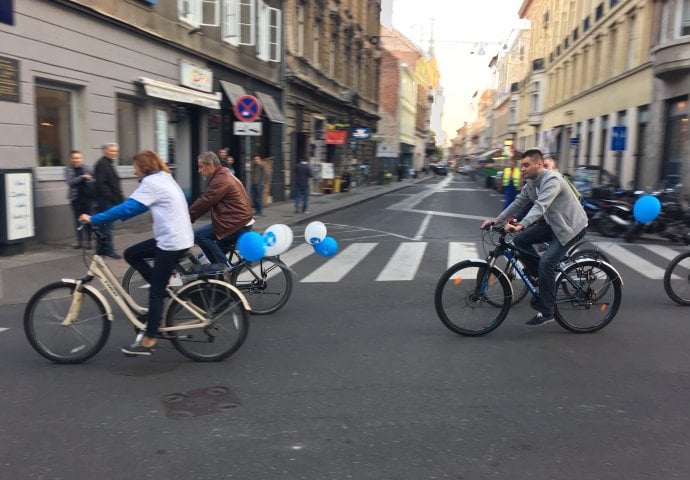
pixel 175 93
pixel 273 111
pixel 232 90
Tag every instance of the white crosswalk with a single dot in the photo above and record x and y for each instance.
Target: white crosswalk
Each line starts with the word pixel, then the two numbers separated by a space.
pixel 408 257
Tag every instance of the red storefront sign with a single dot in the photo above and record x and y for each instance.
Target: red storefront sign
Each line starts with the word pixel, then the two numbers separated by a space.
pixel 336 137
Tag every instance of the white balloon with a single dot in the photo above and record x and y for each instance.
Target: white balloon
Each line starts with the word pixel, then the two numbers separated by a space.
pixel 277 238
pixel 315 232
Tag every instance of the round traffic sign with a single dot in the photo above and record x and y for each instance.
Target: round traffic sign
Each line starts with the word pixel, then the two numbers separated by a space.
pixel 247 108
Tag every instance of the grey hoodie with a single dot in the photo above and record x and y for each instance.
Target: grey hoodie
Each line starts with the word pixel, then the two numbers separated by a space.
pixel 553 200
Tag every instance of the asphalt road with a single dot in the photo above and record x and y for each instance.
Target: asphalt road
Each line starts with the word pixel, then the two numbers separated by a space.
pixel 357 378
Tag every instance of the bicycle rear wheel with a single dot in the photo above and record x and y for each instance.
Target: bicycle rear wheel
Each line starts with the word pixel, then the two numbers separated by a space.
pixel 470 300
pixel 266 284
pixel 224 308
pixel 677 279
pixel 74 343
pixel 588 295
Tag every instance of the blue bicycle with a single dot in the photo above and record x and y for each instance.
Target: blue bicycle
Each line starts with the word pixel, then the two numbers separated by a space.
pixel 473 297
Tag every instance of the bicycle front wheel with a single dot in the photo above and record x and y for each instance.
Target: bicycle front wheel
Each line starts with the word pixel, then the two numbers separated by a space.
pixel 44 319
pixel 677 279
pixel 519 287
pixel 588 295
pixel 223 307
pixel 471 300
pixel 266 284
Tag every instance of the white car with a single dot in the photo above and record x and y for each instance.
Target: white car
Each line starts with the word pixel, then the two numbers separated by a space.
pixel 465 169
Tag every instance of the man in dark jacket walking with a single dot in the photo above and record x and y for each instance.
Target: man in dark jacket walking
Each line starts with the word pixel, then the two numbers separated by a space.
pixel 300 185
pixel 108 193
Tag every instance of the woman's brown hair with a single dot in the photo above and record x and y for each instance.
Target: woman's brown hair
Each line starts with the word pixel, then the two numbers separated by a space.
pixel 148 162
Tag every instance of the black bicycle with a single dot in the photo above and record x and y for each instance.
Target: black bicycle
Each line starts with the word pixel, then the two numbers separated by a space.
pixel 473 297
pixel 266 284
pixel 677 279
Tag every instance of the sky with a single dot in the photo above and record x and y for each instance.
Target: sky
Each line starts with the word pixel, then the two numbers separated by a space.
pixel 459 28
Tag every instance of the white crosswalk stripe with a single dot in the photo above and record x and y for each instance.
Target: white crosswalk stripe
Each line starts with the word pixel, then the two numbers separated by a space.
pixel 404 263
pixel 336 268
pixel 408 258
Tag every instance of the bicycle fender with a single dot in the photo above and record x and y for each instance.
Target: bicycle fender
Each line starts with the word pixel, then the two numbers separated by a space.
pixel 97 294
pixel 581 260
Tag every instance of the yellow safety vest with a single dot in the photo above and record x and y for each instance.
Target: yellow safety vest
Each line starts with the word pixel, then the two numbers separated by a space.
pixel 507 176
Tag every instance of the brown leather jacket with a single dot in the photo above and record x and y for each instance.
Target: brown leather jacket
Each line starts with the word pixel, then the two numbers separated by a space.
pixel 227 199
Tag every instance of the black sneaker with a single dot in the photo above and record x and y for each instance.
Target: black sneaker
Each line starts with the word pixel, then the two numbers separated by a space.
pixel 540 319
pixel 137 349
pixel 114 255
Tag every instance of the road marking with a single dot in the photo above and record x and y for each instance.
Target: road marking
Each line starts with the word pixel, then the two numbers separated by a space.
pixel 667 253
pixel 300 252
pixel 459 251
pixel 637 263
pixel 404 263
pixel 3 329
pixel 422 228
pixel 339 266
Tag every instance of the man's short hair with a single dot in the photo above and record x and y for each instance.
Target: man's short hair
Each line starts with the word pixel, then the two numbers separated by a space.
pixel 532 152
pixel 209 158
pixel 108 145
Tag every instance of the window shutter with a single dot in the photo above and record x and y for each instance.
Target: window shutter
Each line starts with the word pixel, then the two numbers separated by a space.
pixel 230 21
pixel 262 30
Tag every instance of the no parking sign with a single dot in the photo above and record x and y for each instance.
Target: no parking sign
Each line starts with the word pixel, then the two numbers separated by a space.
pixel 247 108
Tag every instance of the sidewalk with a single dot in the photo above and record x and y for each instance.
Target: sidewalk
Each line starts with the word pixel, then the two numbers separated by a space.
pixel 21 275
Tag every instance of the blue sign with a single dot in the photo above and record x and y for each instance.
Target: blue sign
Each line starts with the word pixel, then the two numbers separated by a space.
pixel 574 141
pixel 618 137
pixel 360 133
pixel 7 12
pixel 247 108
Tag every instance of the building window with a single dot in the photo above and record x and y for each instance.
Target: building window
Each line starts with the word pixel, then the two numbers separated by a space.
pixel 613 50
pixel 300 30
pixel 685 19
pixel 585 24
pixel 632 42
pixel 599 12
pixel 603 144
pixel 199 12
pixel 316 49
pixel 230 25
pixel 127 129
pixel 239 25
pixel 246 25
pixel 268 44
pixel 513 112
pixel 534 105
pixel 54 125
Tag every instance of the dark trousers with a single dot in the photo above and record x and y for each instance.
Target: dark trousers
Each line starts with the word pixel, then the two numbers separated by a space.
pixel 302 196
pixel 508 195
pixel 547 265
pixel 213 248
pixel 80 206
pixel 258 197
pixel 157 275
pixel 107 246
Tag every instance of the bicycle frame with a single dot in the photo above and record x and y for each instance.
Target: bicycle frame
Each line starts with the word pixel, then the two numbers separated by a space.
pixel 99 269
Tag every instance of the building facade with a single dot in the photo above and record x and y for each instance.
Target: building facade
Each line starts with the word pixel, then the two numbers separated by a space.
pixel 332 69
pixel 162 76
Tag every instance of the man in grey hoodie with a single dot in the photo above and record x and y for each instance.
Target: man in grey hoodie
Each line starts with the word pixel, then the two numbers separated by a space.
pixel 564 223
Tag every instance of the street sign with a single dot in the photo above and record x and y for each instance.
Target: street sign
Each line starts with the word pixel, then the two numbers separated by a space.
pixel 247 108
pixel 618 137
pixel 360 133
pixel 574 141
pixel 251 129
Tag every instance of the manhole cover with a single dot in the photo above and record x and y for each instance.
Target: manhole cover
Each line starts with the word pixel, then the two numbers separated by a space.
pixel 204 401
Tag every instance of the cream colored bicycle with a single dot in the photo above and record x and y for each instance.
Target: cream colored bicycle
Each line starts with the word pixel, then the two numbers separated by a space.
pixel 69 321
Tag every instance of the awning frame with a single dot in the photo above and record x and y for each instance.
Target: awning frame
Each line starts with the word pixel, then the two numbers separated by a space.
pixel 175 93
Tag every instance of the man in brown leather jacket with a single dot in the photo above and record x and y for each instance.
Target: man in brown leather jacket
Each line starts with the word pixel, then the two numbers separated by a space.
pixel 231 209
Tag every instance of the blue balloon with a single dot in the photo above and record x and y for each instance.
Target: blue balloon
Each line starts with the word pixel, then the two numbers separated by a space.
pixel 646 208
pixel 326 247
pixel 251 246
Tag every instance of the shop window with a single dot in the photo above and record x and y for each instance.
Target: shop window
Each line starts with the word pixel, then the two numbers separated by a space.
pixel 199 12
pixel 54 124
pixel 127 130
pixel 677 145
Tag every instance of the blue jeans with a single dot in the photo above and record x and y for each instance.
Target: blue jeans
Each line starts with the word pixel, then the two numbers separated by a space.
pixel 508 195
pixel 302 194
pixel 157 275
pixel 547 266
pixel 213 248
pixel 258 197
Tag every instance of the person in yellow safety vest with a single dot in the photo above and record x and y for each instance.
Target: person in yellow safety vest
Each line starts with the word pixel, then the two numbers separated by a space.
pixel 510 181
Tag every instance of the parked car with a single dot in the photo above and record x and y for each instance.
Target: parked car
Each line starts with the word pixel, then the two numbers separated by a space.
pixel 441 170
pixel 465 169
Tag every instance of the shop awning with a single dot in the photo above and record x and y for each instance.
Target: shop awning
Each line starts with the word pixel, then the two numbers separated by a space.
pixel 175 93
pixel 232 90
pixel 271 108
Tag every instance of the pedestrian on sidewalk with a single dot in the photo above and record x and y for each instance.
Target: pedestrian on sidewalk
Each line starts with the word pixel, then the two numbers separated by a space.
pixel 108 193
pixel 231 209
pixel 300 184
pixel 510 181
pixel 256 181
pixel 172 230
pixel 80 193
